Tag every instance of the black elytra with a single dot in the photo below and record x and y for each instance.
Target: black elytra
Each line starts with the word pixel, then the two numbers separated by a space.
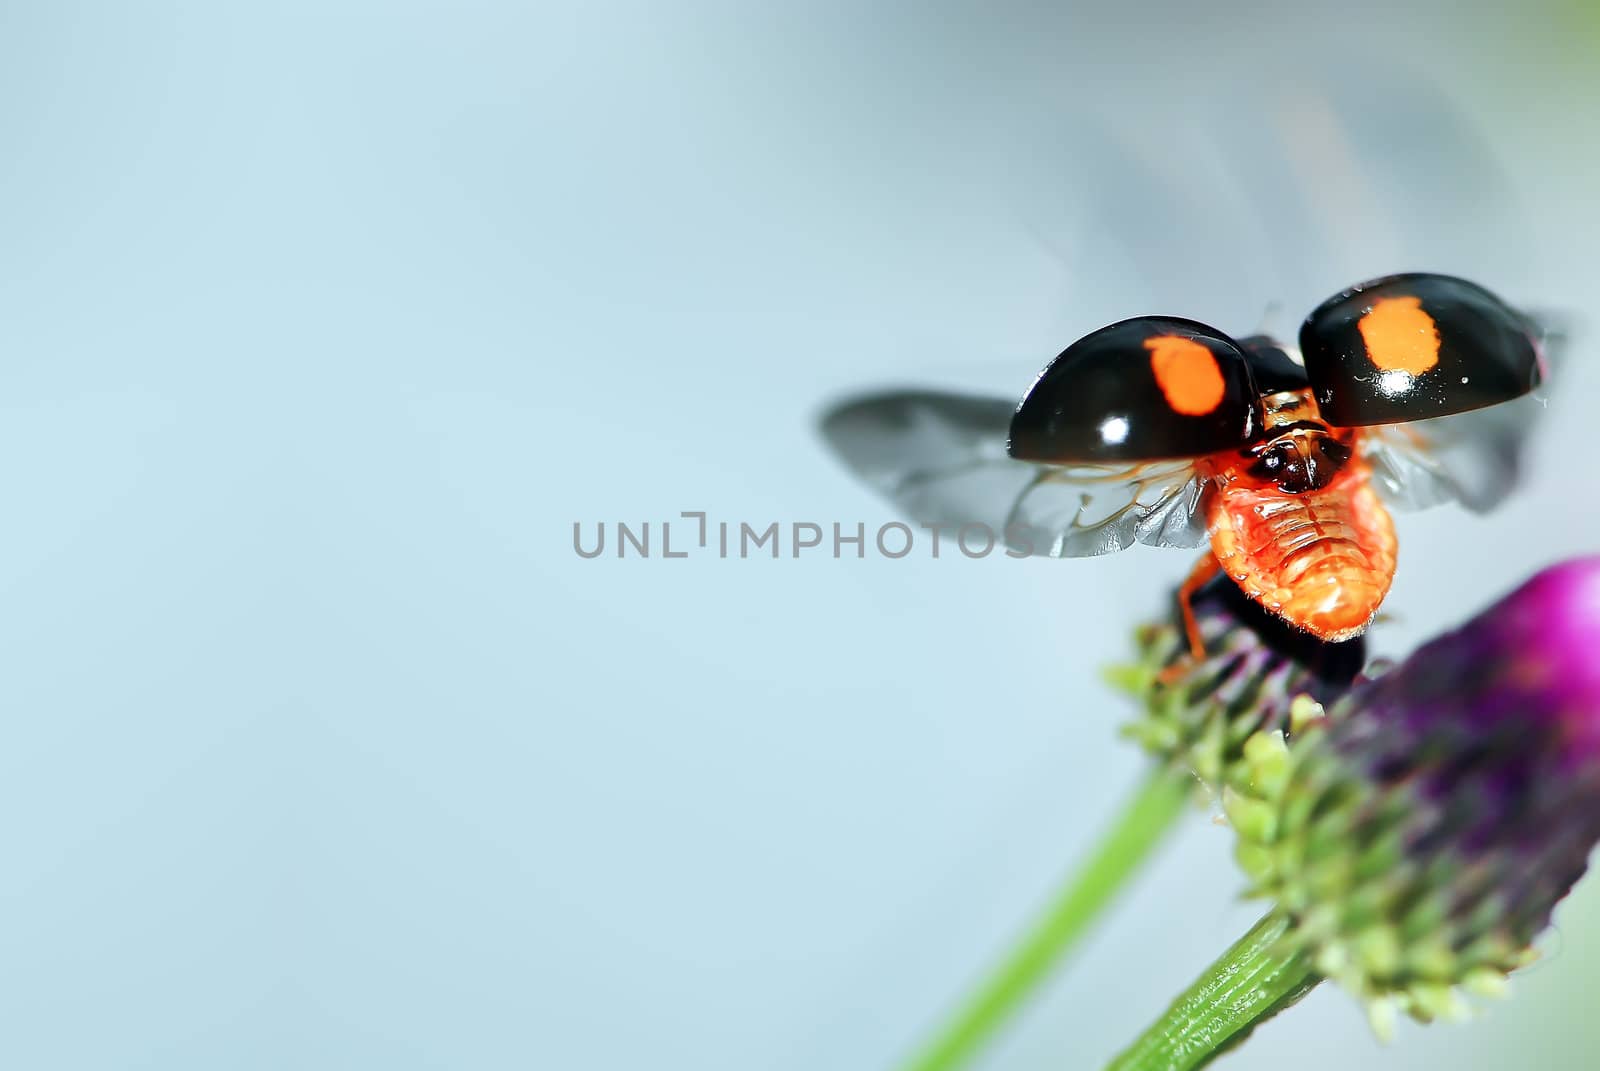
pixel 1485 351
pixel 1102 400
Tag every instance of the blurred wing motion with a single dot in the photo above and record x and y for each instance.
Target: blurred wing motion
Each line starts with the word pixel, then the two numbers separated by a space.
pixel 942 459
pixel 1474 458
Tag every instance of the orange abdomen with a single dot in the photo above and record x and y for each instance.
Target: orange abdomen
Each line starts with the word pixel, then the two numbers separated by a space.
pixel 1322 560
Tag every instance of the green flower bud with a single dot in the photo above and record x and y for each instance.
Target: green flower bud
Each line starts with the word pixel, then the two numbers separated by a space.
pixel 1258 674
pixel 1420 835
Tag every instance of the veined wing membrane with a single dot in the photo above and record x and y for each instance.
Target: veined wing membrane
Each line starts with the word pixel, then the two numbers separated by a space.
pixel 941 458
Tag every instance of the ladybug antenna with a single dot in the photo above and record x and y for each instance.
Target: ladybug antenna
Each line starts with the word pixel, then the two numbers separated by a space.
pixel 1271 318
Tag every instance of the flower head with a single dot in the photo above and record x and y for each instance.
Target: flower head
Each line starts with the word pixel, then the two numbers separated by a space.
pixel 1198 715
pixel 1421 835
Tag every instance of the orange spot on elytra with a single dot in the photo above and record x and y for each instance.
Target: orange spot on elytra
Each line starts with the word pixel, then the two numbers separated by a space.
pixel 1400 337
pixel 1187 374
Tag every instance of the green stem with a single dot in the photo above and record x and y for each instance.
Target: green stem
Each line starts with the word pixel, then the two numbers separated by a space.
pixel 1145 818
pixel 1253 981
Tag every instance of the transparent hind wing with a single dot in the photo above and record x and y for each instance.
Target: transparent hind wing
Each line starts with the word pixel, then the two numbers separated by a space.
pixel 941 458
pixel 1082 510
pixel 1472 458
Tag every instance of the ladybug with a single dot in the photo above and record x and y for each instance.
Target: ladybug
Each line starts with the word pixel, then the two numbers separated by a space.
pixel 1409 391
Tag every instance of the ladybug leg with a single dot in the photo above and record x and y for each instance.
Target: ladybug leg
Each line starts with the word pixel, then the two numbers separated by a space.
pixel 1199 576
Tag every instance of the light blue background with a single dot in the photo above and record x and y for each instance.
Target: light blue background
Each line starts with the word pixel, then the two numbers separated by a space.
pixel 320 324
